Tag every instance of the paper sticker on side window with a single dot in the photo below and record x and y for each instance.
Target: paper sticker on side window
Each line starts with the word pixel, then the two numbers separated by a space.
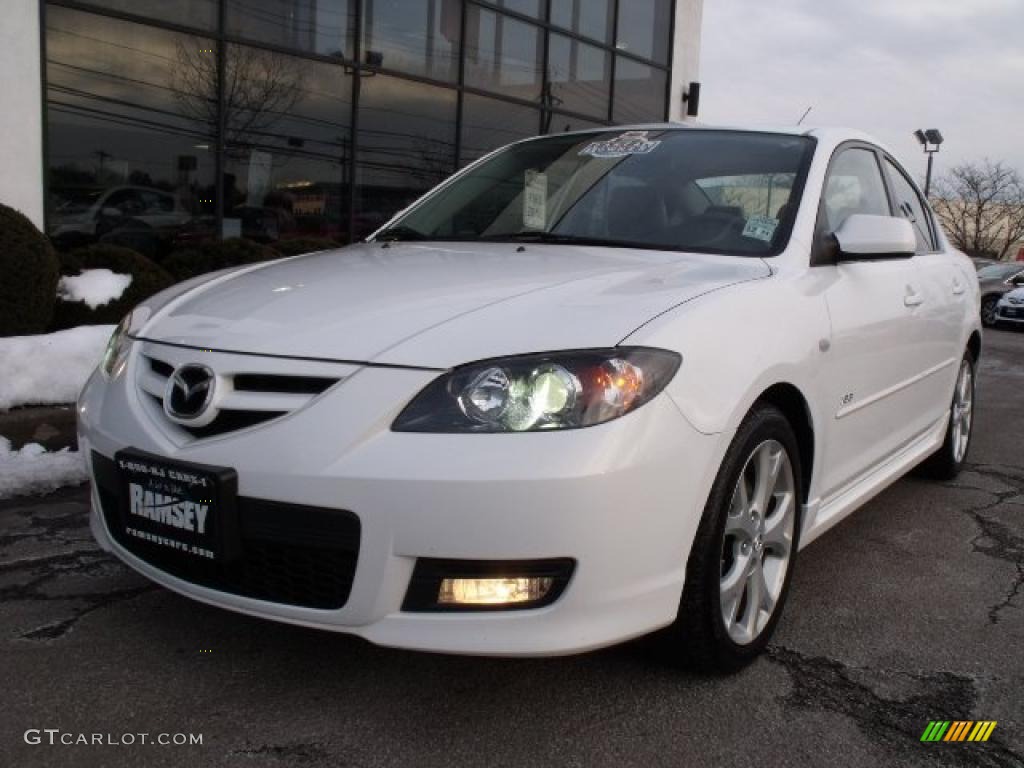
pixel 535 200
pixel 628 143
pixel 761 228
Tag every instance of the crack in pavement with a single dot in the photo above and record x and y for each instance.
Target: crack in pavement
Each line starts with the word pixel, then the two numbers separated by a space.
pixel 895 725
pixel 41 570
pixel 995 539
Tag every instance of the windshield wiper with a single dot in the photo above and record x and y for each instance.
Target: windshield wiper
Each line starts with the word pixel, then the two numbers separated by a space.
pixel 541 236
pixel 399 232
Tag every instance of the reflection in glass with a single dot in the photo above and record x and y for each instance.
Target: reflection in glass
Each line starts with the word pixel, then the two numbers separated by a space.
pixel 126 164
pixel 317 26
pixel 421 38
pixel 503 54
pixel 406 140
pixel 644 28
pixel 288 149
pixel 191 13
pixel 489 123
pixel 591 18
pixel 579 76
pixel 557 123
pixel 639 92
pixel 525 7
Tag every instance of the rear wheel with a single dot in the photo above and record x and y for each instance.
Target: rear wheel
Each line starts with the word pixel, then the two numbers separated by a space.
pixel 739 570
pixel 946 463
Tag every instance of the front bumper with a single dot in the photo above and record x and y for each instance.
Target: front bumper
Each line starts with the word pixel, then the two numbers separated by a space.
pixel 622 500
pixel 1002 318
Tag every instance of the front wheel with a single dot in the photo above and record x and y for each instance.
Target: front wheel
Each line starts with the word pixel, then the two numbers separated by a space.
pixel 739 570
pixel 989 318
pixel 946 463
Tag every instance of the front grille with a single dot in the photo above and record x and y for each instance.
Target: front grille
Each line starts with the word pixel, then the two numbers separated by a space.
pixel 287 553
pixel 251 397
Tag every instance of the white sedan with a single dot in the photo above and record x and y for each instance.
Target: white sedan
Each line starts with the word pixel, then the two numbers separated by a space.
pixel 595 385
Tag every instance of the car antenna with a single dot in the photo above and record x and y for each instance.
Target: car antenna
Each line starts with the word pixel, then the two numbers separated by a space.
pixel 805 114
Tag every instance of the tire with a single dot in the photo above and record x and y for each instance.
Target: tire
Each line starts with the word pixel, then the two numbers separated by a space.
pixel 988 311
pixel 946 463
pixel 734 537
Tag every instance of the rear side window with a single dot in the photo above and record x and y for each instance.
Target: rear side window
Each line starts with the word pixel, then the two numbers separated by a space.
pixel 909 205
pixel 854 185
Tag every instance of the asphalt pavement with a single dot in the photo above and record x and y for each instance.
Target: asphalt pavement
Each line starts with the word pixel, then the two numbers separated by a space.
pixel 911 610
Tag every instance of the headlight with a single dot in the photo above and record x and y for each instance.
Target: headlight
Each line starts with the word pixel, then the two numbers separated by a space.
pixel 117 349
pixel 559 390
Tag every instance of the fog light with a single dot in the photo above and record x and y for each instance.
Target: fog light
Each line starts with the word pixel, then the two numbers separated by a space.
pixel 501 591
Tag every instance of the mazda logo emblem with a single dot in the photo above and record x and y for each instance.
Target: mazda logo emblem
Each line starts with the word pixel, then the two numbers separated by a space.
pixel 189 392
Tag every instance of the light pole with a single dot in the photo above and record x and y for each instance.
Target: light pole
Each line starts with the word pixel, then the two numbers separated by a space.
pixel 931 140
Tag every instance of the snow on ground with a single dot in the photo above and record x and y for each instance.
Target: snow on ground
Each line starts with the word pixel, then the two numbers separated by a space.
pixel 95 287
pixel 34 470
pixel 49 368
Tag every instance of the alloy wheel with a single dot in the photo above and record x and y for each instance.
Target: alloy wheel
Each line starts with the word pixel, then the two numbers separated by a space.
pixel 961 412
pixel 758 542
pixel 988 311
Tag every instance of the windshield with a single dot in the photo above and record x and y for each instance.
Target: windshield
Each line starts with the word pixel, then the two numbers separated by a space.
pixel 725 192
pixel 999 271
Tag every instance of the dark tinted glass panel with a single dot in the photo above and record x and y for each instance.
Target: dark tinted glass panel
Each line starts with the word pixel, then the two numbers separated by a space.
pixel 639 92
pixel 489 123
pixel 644 28
pixel 579 75
pixel 406 145
pixel 192 13
pixel 592 18
pixel 288 148
pixel 908 205
pixel 130 127
pixel 422 37
pixel 556 123
pixel 527 7
pixel 317 26
pixel 503 54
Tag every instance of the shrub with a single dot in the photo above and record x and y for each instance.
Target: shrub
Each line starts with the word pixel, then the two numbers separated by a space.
pixel 28 276
pixel 302 245
pixel 214 255
pixel 147 278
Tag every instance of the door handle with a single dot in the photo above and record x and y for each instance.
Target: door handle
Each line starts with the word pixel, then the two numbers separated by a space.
pixel 912 298
pixel 958 287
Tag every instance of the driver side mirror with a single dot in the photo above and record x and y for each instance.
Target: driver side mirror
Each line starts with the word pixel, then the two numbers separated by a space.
pixel 864 237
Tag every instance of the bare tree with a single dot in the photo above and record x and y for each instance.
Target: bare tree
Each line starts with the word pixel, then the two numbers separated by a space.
pixel 260 88
pixel 981 207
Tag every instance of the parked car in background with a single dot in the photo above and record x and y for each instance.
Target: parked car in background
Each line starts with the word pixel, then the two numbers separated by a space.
pixel 124 215
pixel 980 262
pixel 597 385
pixel 1010 309
pixel 995 280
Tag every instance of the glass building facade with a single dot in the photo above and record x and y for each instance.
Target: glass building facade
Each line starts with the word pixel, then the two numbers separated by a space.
pixel 169 123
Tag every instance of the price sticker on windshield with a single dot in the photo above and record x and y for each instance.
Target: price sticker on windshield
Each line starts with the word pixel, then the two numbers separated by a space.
pixel 761 228
pixel 535 200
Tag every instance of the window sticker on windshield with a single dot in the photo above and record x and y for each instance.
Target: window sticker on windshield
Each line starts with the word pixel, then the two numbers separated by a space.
pixel 761 228
pixel 535 200
pixel 628 143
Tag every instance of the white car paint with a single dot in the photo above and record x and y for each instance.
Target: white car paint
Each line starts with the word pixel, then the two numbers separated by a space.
pixel 872 347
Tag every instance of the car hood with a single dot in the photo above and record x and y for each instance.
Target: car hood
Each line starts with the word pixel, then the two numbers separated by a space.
pixel 438 305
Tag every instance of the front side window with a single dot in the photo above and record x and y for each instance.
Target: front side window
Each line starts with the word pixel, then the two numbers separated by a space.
pixel 724 192
pixel 854 185
pixel 909 206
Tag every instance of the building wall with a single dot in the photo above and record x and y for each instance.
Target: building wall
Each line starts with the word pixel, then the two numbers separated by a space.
pixel 685 54
pixel 21 123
